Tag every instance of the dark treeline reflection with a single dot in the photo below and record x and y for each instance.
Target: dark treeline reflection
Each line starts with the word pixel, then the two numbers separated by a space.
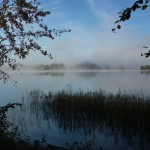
pixel 125 117
pixel 55 74
pixel 88 74
pixel 61 74
pixel 145 72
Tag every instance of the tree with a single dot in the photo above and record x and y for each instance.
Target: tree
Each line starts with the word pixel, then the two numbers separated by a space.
pixel 125 15
pixel 18 35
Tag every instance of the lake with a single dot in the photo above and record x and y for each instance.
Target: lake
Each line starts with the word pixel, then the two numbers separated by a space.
pixel 37 118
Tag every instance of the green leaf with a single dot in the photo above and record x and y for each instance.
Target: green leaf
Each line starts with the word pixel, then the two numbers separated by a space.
pixel 144 7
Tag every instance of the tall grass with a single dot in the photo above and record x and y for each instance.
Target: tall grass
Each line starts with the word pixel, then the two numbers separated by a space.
pixel 121 115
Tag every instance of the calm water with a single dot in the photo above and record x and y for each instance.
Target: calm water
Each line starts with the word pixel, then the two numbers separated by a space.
pixel 111 81
pixel 36 119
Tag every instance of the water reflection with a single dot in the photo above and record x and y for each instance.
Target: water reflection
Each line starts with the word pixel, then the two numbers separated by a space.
pixel 104 120
pixel 87 74
pixel 145 72
pixel 62 73
pixel 53 74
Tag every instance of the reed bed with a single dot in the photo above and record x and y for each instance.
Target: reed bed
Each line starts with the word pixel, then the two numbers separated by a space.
pixel 125 115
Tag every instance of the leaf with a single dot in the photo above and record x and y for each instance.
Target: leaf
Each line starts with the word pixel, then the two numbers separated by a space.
pixel 128 15
pixel 134 7
pixel 117 21
pixel 123 19
pixel 144 7
pixel 145 47
pixel 113 30
pixel 119 26
pixel 140 1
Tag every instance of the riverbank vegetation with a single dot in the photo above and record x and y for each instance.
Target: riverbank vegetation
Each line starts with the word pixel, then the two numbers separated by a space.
pixel 147 67
pixel 79 66
pixel 54 66
pixel 122 115
pixel 10 137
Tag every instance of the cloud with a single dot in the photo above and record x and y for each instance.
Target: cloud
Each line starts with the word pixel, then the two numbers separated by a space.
pixel 102 11
pixel 94 44
pixel 102 47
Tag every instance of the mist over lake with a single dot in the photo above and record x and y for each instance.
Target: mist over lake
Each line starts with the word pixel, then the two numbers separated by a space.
pixel 109 80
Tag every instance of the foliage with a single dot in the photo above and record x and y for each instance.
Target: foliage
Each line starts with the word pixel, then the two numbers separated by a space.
pixel 147 67
pixel 125 15
pixel 122 116
pixel 51 67
pixel 57 66
pixel 88 65
pixel 6 128
pixel 21 25
pixel 147 54
pixel 3 75
pixel 10 136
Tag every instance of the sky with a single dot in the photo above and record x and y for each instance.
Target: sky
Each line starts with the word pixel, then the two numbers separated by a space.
pixel 91 38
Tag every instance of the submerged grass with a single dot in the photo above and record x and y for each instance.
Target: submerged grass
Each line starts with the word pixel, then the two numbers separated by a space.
pixel 121 115
pixel 118 108
pixel 10 135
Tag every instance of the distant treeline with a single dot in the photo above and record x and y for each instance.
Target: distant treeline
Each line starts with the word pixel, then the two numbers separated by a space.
pixel 84 66
pixel 95 66
pixel 51 66
pixel 146 67
pixel 88 66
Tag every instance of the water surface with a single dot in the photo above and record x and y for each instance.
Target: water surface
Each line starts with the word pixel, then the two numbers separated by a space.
pixel 62 127
pixel 108 80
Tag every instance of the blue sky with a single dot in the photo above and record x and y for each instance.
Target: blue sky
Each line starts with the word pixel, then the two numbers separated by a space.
pixel 91 38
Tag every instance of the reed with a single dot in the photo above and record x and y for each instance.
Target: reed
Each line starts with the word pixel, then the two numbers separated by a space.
pixel 121 115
